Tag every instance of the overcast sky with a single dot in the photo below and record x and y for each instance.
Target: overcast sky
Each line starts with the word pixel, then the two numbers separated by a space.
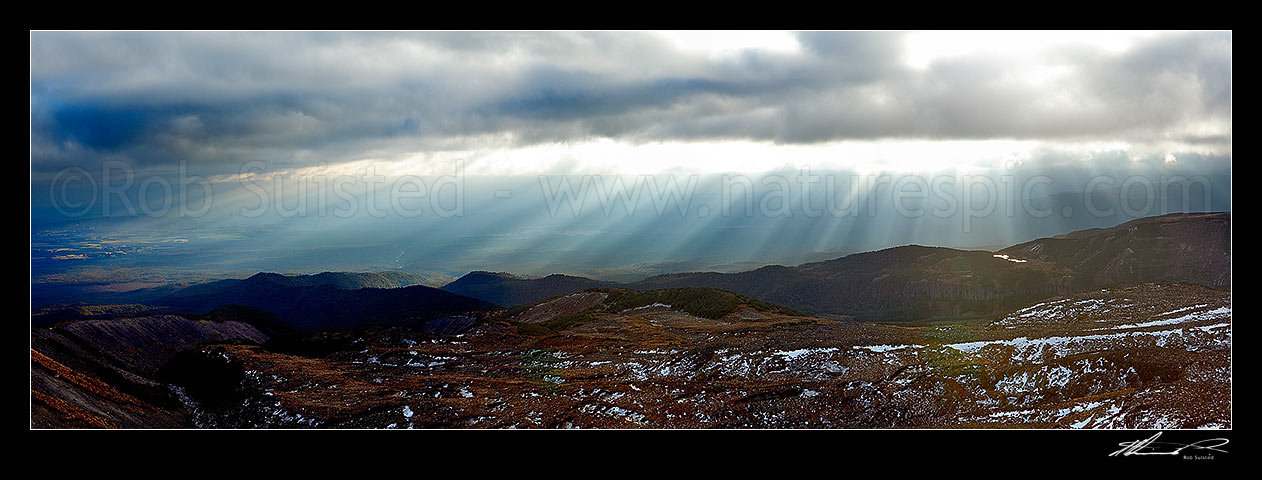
pixel 571 100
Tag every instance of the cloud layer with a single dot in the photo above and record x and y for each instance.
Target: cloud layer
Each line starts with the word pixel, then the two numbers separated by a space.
pixel 217 99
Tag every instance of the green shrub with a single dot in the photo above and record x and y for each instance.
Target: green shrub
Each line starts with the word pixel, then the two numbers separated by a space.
pixel 532 329
pixel 704 302
pixel 566 321
pixel 540 367
pixel 953 363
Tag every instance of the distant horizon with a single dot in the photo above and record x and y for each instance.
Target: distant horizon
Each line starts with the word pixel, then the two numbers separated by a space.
pixel 526 276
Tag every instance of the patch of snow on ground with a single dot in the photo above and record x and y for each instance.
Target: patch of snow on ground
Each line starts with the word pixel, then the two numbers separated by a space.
pixel 1191 317
pixel 1184 309
pixel 795 354
pixel 1038 310
pixel 643 307
pixel 885 348
pixel 1033 346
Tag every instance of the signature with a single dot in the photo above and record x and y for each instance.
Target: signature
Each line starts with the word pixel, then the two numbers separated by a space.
pixel 1151 446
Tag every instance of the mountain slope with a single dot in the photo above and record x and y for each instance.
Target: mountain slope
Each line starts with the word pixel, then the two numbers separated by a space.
pixel 104 373
pixel 895 284
pixel 342 280
pixel 1191 248
pixel 509 290
pixel 558 313
pixel 299 304
pixel 915 283
pixel 55 296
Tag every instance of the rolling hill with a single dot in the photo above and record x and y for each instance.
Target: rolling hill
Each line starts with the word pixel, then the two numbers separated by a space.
pixel 510 290
pixel 1190 248
pixel 60 295
pixel 304 303
pixel 914 283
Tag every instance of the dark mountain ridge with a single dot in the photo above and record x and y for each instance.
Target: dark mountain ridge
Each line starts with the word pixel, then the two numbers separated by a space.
pixel 301 306
pixel 60 295
pixel 510 290
pixel 1189 248
pixel 895 284
pixel 342 280
pixel 913 282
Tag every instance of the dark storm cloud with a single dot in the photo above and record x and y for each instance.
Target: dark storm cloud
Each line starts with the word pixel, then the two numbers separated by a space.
pixel 218 99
